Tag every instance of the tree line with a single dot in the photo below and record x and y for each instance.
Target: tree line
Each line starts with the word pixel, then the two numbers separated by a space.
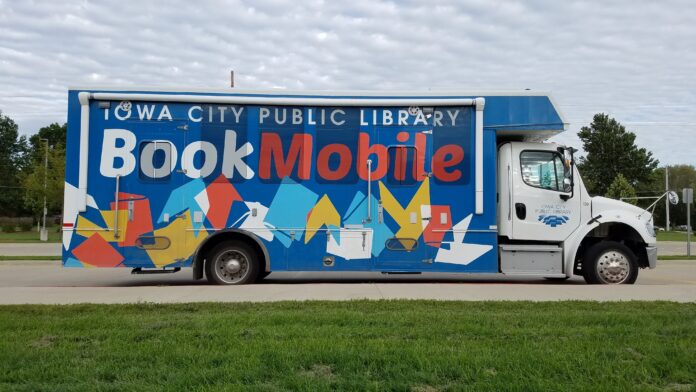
pixel 615 167
pixel 612 166
pixel 22 161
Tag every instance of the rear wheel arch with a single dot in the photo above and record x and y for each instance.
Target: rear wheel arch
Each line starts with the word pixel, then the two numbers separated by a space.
pixel 229 235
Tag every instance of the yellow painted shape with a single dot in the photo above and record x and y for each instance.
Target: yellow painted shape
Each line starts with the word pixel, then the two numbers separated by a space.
pixel 402 215
pixel 108 216
pixel 183 240
pixel 323 213
pixel 86 227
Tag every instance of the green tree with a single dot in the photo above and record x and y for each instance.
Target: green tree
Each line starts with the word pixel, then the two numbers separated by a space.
pixel 51 137
pixel 611 150
pixel 621 188
pixel 54 133
pixel 54 180
pixel 680 177
pixel 13 149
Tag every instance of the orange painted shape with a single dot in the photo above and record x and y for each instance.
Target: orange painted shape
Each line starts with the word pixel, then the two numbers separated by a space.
pixel 96 252
pixel 221 195
pixel 430 235
pixel 142 217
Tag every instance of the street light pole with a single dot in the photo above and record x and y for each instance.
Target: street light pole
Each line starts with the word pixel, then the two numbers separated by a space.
pixel 44 232
pixel 667 200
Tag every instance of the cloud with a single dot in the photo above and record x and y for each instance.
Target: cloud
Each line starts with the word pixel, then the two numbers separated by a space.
pixel 631 60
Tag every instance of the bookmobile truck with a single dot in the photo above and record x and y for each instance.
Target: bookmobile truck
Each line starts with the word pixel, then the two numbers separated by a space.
pixel 240 184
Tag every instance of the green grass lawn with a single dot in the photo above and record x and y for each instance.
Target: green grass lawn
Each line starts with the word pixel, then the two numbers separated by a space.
pixel 358 345
pixel 30 236
pixel 20 258
pixel 674 236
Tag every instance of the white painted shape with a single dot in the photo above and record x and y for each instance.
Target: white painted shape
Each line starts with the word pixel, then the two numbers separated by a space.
pixel 165 217
pixel 256 224
pixel 70 209
pixel 198 216
pixel 425 215
pixel 91 202
pixel 202 199
pixel 413 217
pixel 351 244
pixel 460 252
pixel 443 218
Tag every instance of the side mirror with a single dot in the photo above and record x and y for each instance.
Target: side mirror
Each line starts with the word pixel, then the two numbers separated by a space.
pixel 673 197
pixel 567 185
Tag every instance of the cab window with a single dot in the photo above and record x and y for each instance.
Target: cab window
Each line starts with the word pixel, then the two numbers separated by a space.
pixel 543 169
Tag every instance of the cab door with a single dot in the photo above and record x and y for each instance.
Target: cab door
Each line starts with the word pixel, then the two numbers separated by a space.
pixel 542 206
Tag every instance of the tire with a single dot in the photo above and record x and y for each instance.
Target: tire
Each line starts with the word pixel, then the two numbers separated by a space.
pixel 609 262
pixel 232 263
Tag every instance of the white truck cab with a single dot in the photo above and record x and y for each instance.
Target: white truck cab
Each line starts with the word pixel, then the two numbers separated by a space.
pixel 549 225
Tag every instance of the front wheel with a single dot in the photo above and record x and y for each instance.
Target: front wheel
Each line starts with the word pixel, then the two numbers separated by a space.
pixel 609 262
pixel 231 263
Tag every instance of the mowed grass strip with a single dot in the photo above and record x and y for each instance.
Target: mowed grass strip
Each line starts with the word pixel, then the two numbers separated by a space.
pixel 356 345
pixel 16 258
pixel 33 236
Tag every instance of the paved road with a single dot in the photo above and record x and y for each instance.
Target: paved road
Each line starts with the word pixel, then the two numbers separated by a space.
pixel 674 248
pixel 46 282
pixel 30 249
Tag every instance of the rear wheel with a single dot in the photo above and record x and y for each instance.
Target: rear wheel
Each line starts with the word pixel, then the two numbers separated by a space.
pixel 609 262
pixel 231 263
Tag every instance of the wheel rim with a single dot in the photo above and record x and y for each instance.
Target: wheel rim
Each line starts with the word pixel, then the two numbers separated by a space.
pixel 232 266
pixel 613 267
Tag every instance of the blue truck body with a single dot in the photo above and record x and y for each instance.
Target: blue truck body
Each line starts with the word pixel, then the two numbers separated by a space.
pixel 358 182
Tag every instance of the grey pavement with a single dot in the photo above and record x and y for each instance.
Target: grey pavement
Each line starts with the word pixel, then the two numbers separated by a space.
pixel 674 248
pixel 31 249
pixel 46 282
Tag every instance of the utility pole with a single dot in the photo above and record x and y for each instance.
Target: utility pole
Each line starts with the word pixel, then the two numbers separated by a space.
pixel 44 233
pixel 688 196
pixel 667 199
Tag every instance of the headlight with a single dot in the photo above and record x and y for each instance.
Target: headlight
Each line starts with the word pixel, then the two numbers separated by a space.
pixel 650 228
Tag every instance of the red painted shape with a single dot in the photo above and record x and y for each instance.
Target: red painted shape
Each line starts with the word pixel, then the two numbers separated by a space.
pixel 432 237
pixel 221 195
pixel 142 217
pixel 97 252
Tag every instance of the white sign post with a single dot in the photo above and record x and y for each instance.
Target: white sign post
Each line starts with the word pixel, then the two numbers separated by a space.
pixel 688 198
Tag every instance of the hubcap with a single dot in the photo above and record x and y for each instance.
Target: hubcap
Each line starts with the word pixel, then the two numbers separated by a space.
pixel 613 267
pixel 232 266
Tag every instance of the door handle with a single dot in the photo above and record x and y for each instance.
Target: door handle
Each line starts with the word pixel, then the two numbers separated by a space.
pixel 521 211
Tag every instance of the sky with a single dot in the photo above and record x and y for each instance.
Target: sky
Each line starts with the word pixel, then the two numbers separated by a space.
pixel 634 60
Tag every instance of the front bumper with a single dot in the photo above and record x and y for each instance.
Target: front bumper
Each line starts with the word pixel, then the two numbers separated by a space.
pixel 652 256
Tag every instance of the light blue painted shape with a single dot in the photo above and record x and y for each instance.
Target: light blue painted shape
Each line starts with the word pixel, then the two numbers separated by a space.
pixel 182 199
pixel 380 231
pixel 72 263
pixel 289 208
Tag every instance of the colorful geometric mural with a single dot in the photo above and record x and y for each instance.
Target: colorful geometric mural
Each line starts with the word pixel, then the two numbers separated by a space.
pixel 306 194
